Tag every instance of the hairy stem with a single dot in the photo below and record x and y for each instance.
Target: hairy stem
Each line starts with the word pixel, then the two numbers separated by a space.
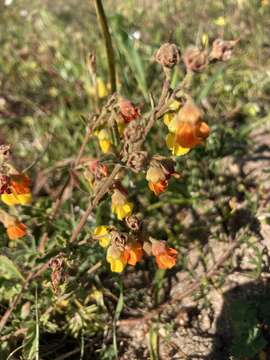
pixel 103 23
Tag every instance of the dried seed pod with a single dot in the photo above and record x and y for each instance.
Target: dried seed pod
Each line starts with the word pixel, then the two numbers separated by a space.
pixel 118 239
pixel 5 182
pixel 195 59
pixel 58 275
pixel 168 55
pixel 133 132
pixel 137 160
pixel 5 151
pixel 133 222
pixel 222 50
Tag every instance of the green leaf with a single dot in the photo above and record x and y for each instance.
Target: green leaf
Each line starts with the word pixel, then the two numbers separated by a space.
pixel 118 310
pixel 8 269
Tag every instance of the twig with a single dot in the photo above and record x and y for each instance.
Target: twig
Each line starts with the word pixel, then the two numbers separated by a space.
pixel 107 184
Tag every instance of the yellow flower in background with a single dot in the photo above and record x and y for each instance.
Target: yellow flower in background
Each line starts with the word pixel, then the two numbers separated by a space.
pixel 205 39
pixel 177 150
pixel 116 259
pixel 102 89
pixel 120 205
pixel 105 141
pixel 102 235
pixel 221 21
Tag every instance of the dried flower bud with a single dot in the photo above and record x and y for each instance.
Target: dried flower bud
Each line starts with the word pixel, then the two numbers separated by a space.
pixel 195 59
pixel 5 182
pixel 118 239
pixel 133 222
pixel 5 151
pixel 222 50
pixel 58 275
pixel 168 55
pixel 133 132
pixel 137 160
pixel 128 110
pixel 98 169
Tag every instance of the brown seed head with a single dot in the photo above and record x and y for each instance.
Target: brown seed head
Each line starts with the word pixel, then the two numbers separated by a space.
pixel 133 222
pixel 195 59
pixel 168 55
pixel 118 239
pixel 222 50
pixel 133 132
pixel 137 160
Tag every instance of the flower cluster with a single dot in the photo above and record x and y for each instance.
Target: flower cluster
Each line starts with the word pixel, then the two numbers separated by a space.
pixel 123 249
pixel 121 113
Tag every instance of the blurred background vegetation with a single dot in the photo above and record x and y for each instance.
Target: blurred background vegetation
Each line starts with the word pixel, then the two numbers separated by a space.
pixel 45 94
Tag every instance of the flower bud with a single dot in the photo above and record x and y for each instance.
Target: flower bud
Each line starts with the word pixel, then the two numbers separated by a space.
pixel 168 55
pixel 128 110
pixel 195 59
pixel 98 169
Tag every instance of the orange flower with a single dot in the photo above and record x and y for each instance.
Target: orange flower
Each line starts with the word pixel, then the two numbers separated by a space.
pixel 167 259
pixel 20 183
pixel 16 230
pixel 189 135
pixel 19 191
pixel 133 253
pixel 158 187
pixel 165 256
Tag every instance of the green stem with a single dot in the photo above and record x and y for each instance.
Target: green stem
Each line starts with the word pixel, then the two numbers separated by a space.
pixel 108 42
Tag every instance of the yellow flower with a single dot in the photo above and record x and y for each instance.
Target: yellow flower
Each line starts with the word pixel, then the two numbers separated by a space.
pixel 174 105
pixel 220 21
pixel 120 205
pixel 101 88
pixel 116 259
pixel 122 211
pixel 167 118
pixel 101 233
pixel 105 141
pixel 177 150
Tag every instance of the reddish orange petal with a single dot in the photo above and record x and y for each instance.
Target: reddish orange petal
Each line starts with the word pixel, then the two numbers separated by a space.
pixel 186 136
pixel 158 187
pixel 167 259
pixel 16 231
